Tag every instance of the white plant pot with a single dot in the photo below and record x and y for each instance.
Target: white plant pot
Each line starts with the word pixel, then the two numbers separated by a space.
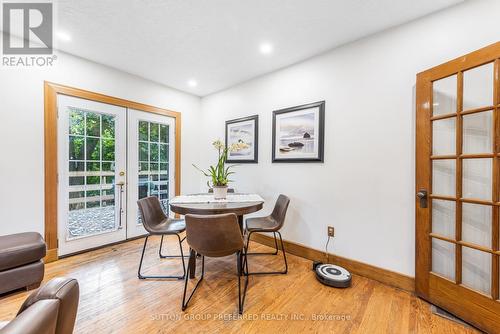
pixel 220 192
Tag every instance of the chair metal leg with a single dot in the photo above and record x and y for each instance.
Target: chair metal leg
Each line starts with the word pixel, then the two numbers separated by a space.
pixel 284 254
pixel 241 262
pixel 268 272
pixel 275 247
pixel 170 256
pixel 191 263
pixel 245 264
pixel 141 276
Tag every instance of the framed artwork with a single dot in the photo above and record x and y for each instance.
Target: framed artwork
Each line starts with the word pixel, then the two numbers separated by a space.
pixel 299 133
pixel 243 130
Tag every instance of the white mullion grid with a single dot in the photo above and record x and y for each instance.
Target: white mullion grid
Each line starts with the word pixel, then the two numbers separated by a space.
pixel 100 160
pixel 167 162
pixel 157 185
pixel 158 172
pixel 85 157
pixel 149 159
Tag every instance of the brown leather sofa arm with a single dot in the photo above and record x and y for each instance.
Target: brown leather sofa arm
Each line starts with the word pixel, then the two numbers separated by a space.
pixel 67 292
pixel 40 318
pixel 49 310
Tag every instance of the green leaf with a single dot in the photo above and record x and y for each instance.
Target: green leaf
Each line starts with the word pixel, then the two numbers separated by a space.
pixel 220 172
pixel 200 170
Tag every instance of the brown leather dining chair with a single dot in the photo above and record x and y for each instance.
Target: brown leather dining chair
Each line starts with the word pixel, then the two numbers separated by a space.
pixel 215 236
pixel 272 223
pixel 49 310
pixel 157 223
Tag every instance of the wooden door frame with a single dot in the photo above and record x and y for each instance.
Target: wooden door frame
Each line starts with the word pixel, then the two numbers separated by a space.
pixel 51 90
pixel 464 301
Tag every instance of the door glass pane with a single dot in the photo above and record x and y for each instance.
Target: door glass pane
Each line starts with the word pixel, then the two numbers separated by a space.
pixel 108 150
pixel 76 122
pixel 108 126
pixel 144 151
pixel 143 131
pixel 443 177
pixel 93 123
pixel 154 152
pixel 443 136
pixel 163 133
pixel 476 269
pixel 154 132
pixel 76 147
pixel 476 224
pixel 153 148
pixel 443 258
pixel 91 182
pixel 478 132
pixel 163 153
pixel 444 96
pixel 76 166
pixel 477 178
pixel 478 87
pixel 443 218
pixel 93 146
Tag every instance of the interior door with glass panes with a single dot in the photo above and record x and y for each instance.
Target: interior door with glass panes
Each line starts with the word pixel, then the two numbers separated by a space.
pixel 458 187
pixel 91 174
pixel 151 165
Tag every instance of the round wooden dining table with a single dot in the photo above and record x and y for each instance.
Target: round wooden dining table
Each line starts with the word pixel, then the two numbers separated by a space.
pixel 238 208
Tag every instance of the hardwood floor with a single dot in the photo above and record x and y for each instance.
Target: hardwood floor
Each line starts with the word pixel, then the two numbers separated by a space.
pixel 114 300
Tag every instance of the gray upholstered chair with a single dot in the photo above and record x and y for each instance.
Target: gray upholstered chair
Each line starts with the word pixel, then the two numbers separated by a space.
pixel 49 310
pixel 157 223
pixel 215 236
pixel 272 223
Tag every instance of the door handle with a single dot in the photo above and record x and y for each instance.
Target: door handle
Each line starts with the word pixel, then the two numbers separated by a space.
pixel 120 185
pixel 422 195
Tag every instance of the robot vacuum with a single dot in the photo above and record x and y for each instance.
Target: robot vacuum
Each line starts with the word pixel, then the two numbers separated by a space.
pixel 332 275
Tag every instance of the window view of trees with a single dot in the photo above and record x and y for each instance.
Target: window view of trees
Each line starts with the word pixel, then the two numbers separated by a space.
pixel 91 172
pixel 153 161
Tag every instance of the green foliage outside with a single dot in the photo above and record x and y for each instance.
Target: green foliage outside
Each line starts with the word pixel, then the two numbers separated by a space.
pixel 97 132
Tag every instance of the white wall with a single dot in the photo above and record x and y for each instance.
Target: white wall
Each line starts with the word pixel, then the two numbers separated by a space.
pixel 365 188
pixel 21 130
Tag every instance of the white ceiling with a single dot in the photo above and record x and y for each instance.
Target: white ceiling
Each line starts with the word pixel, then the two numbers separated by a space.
pixel 216 42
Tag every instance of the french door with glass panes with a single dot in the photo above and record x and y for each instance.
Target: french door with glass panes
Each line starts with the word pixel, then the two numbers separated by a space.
pixel 108 158
pixel 91 173
pixel 151 163
pixel 458 187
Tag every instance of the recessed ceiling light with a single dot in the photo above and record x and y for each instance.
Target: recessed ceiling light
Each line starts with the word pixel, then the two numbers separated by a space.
pixel 192 83
pixel 63 36
pixel 266 48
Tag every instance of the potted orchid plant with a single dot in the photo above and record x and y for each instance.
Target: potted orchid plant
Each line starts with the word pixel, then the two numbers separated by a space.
pixel 219 174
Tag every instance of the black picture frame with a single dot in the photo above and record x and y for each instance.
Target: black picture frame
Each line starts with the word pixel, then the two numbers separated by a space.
pixel 254 118
pixel 321 132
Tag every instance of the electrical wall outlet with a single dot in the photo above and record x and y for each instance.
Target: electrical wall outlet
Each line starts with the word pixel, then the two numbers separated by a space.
pixel 331 231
